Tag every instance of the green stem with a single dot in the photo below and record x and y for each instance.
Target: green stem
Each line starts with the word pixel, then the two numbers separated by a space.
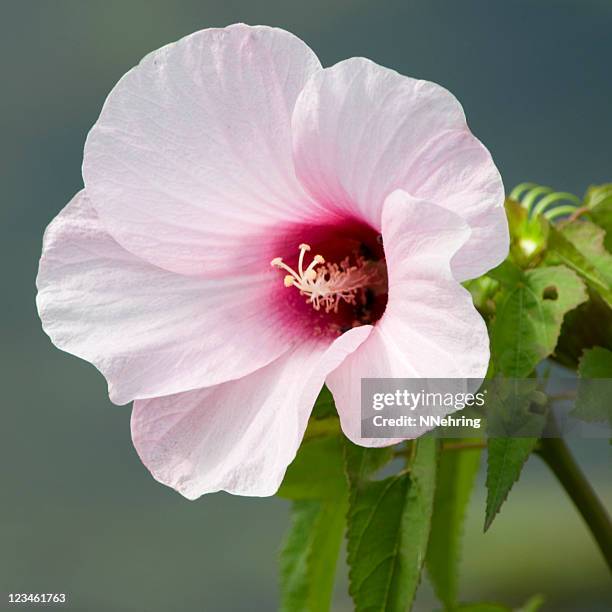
pixel 557 456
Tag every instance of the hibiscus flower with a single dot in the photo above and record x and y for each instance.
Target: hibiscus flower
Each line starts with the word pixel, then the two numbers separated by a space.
pixel 254 226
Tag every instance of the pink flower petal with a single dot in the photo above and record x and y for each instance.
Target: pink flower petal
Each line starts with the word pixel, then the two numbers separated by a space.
pixel 362 131
pixel 190 161
pixel 149 331
pixel 430 328
pixel 239 436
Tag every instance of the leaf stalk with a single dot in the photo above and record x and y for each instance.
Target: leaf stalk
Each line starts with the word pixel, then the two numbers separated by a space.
pixel 559 459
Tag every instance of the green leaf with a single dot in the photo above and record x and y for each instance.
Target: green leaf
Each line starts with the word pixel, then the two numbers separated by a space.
pixel 388 527
pixel 529 313
pixel 507 274
pixel 482 607
pixel 596 363
pixel 579 333
pixel 310 553
pixel 588 238
pixel 324 406
pixel 514 429
pixel 533 604
pixel 317 483
pixel 361 463
pixel 593 397
pixel 518 407
pixel 602 215
pixel 506 457
pixel 317 472
pixel 597 195
pixel 580 247
pixel 482 289
pixel 454 482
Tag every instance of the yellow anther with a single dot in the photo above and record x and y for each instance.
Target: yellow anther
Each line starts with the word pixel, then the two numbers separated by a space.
pixel 277 261
pixel 304 247
pixel 319 259
pixel 288 280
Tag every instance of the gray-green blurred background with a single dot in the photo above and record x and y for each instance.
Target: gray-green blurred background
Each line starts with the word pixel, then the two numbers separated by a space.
pixel 78 512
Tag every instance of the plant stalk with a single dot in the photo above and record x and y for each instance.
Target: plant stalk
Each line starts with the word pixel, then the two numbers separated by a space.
pixel 557 456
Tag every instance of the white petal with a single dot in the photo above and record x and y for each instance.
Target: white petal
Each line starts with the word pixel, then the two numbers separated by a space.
pixel 430 328
pixel 190 162
pixel 239 436
pixel 149 331
pixel 362 131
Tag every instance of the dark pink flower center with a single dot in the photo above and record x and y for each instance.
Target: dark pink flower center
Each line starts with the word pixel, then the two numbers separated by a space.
pixel 334 276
